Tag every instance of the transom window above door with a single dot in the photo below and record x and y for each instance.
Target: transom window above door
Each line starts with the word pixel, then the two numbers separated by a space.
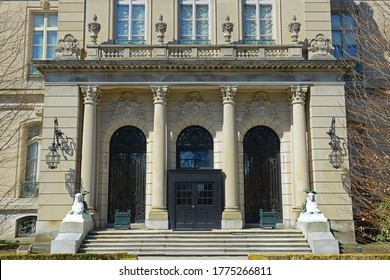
pixel 129 22
pixel 258 22
pixel 194 21
pixel 194 148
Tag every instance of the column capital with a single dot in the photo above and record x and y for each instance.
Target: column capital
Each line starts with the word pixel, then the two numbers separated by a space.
pixel 160 94
pixel 91 94
pixel 228 94
pixel 297 94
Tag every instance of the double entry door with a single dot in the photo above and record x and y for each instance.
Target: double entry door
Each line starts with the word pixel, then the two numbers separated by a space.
pixel 195 199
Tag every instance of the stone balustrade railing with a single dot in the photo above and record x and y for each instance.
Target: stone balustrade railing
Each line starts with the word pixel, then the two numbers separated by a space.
pixel 237 52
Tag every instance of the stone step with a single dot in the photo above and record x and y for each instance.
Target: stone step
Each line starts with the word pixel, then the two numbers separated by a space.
pixel 196 243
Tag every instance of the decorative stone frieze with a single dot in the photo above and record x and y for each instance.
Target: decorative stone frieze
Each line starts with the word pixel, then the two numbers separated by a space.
pixel 127 107
pixel 320 48
pixel 227 29
pixel 297 94
pixel 228 93
pixel 92 94
pixel 45 4
pixel 294 27
pixel 261 107
pixel 161 28
pixel 194 108
pixel 160 94
pixel 94 29
pixel 68 48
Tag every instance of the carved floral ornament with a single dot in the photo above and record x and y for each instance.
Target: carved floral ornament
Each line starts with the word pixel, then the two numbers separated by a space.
pixel 69 46
pixel 297 94
pixel 92 94
pixel 160 94
pixel 127 107
pixel 320 48
pixel 194 108
pixel 261 107
pixel 228 93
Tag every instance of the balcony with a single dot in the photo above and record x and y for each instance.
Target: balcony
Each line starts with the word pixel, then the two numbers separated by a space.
pixel 195 52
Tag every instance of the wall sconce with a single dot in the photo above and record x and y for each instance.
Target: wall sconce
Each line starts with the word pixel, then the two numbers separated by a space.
pixel 53 157
pixel 336 157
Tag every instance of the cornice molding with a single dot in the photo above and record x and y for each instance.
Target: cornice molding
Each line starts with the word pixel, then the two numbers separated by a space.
pixel 45 66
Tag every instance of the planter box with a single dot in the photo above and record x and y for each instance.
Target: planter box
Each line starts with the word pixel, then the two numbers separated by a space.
pixel 122 219
pixel 268 219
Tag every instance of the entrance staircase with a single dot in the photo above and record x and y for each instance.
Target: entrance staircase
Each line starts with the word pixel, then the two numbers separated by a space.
pixel 216 243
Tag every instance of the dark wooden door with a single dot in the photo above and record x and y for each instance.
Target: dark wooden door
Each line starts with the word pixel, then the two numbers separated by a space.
pixel 195 199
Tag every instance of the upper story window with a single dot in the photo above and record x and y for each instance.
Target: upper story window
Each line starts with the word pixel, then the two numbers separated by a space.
pixel 258 22
pixel 29 186
pixel 194 22
pixel 129 22
pixel 44 36
pixel 343 35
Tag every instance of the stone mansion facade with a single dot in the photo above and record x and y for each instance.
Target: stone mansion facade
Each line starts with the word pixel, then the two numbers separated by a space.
pixel 193 114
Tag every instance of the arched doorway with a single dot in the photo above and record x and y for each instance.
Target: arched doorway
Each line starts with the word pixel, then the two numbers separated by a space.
pixel 127 173
pixel 262 173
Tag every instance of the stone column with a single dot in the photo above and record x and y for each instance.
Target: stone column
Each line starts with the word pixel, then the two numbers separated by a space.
pixel 158 215
pixel 88 160
pixel 297 96
pixel 231 216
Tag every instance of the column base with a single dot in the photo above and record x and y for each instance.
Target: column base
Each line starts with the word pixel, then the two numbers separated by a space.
pixel 158 219
pixel 231 219
pixel 295 213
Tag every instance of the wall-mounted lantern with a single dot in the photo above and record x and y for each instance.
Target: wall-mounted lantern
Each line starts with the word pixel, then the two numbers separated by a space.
pixel 53 157
pixel 336 157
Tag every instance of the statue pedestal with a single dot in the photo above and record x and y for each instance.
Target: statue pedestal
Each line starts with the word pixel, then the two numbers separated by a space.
pixel 316 229
pixel 73 229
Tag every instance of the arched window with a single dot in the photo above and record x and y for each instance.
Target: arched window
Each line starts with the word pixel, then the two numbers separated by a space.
pixel 25 227
pixel 194 148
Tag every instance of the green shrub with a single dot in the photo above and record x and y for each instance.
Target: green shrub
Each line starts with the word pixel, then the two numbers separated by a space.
pixel 322 257
pixel 117 256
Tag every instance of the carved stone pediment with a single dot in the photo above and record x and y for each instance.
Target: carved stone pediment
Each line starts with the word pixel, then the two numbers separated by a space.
pixel 261 108
pixel 194 108
pixel 127 107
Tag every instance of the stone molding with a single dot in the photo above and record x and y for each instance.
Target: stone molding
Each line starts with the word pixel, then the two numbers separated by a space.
pixel 261 108
pixel 127 107
pixel 194 108
pixel 160 94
